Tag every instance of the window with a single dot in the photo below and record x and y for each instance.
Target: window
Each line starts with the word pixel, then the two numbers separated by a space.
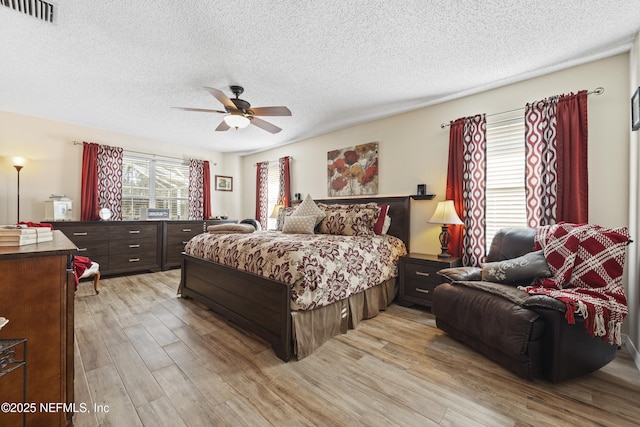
pixel 505 192
pixel 273 192
pixel 152 183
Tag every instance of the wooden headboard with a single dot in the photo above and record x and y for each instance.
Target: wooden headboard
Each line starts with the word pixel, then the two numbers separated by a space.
pixel 399 211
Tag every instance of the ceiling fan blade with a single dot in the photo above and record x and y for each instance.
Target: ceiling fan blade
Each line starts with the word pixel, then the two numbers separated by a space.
pixel 262 124
pixel 269 111
pixel 223 126
pixel 201 110
pixel 220 96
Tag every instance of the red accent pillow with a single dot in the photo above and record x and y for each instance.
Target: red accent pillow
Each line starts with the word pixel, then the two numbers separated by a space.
pixel 377 227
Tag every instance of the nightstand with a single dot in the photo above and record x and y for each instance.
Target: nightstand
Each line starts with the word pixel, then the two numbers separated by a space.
pixel 419 277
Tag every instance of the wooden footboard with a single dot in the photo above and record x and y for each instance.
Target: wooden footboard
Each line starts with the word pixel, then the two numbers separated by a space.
pixel 254 303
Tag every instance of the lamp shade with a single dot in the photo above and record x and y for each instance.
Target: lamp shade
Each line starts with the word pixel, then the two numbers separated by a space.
pixel 445 214
pixel 237 121
pixel 19 161
pixel 276 211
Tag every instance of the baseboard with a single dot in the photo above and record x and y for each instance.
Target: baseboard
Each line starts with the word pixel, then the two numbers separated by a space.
pixel 633 351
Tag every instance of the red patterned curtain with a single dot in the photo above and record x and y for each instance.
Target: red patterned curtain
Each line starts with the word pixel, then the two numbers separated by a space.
pixel 540 159
pixel 466 185
pixel 284 196
pixel 89 191
pixel 196 196
pixel 206 190
pixel 262 195
pixel 556 160
pixel 110 180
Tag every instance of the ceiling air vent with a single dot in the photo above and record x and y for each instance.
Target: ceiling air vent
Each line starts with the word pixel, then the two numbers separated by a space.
pixel 37 8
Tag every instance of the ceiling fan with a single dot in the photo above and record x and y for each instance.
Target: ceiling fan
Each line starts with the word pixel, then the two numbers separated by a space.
pixel 239 113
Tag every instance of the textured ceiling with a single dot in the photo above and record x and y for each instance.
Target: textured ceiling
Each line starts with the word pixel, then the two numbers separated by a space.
pixel 120 66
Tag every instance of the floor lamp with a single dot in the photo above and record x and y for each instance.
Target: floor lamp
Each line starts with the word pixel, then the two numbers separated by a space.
pixel 18 164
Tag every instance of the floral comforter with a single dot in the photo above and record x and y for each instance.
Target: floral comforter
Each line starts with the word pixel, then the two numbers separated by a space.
pixel 321 268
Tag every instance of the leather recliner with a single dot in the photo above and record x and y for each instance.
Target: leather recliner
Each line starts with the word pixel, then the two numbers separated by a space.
pixel 527 334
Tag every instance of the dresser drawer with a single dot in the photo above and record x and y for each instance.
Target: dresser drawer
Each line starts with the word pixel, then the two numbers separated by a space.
pixel 92 248
pixel 421 273
pixel 420 289
pixel 133 231
pixel 138 260
pixel 132 246
pixel 181 229
pixel 81 234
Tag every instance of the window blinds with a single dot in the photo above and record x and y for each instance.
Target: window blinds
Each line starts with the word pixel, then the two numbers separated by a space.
pixel 505 193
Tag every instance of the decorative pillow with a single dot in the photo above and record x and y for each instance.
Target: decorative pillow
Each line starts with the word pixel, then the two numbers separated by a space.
pixel 230 228
pixel 382 216
pixel 387 224
pixel 282 214
pixel 296 224
pixel 517 270
pixel 309 207
pixel 461 273
pixel 349 220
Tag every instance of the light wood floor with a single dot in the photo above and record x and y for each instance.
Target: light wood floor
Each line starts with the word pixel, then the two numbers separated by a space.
pixel 157 360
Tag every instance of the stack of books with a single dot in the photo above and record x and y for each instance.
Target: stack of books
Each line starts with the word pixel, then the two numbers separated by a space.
pixel 44 234
pixel 11 235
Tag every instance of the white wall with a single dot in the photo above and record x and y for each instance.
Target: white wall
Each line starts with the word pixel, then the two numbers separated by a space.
pixel 54 164
pixel 413 149
pixel 633 260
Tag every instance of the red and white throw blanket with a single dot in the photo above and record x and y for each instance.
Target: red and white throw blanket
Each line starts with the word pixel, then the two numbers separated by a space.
pixel 586 262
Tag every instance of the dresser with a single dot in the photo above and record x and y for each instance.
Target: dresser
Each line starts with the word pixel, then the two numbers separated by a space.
pixel 118 246
pixel 36 289
pixel 419 277
pixel 176 234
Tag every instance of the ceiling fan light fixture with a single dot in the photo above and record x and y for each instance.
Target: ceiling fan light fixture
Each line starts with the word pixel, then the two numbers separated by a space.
pixel 237 121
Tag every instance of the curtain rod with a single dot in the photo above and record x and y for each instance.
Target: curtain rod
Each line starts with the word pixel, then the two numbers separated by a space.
pixel 149 154
pixel 272 161
pixel 597 91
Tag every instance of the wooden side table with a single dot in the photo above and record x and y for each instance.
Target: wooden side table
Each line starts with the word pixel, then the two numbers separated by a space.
pixel 419 277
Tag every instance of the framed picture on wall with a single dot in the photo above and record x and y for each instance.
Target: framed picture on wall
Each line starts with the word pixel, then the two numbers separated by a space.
pixel 224 183
pixel 635 110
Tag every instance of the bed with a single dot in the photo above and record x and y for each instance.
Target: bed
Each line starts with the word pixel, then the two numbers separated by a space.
pixel 263 306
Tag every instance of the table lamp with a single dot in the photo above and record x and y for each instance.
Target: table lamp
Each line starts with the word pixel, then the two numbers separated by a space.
pixel 445 214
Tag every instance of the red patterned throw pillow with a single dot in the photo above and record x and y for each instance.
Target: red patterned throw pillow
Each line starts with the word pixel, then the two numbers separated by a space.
pixel 379 225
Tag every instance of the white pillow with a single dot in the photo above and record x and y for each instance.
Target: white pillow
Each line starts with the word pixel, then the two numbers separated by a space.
pixel 295 224
pixel 309 207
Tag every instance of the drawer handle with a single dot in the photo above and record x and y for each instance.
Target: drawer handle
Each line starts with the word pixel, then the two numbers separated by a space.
pixel 134 259
pixel 184 243
pixel 424 291
pixel 186 230
pixel 82 249
pixel 134 246
pixel 134 231
pixel 421 273
pixel 80 234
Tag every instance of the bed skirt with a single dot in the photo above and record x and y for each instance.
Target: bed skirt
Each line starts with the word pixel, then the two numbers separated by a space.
pixel 311 329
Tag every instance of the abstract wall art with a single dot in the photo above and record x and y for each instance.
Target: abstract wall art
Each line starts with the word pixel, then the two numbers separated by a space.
pixel 353 171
